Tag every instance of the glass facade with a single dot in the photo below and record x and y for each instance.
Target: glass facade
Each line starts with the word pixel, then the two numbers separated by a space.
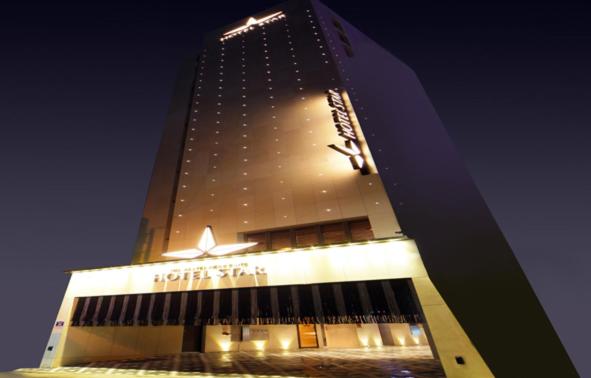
pixel 321 234
pixel 390 301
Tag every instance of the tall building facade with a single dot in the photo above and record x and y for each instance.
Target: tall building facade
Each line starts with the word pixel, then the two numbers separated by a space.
pixel 305 194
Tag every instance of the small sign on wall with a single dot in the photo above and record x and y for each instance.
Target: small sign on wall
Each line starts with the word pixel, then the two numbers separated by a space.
pixel 254 334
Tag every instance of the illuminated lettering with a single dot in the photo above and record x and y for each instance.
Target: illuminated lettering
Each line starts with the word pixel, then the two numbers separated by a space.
pixel 345 130
pixel 222 273
pixel 172 276
pixel 204 273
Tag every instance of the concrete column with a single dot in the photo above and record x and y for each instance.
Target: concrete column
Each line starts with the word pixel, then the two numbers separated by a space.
pixel 123 309
pixel 138 304
pixel 390 298
pixel 166 309
pixel 110 310
pixel 99 303
pixel 183 308
pixel 152 299
pixel 84 310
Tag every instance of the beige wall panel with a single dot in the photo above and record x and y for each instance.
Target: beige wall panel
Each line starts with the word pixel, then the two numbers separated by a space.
pixel 449 337
pixel 147 341
pixel 341 336
pixel 215 341
pixel 383 224
pixel 369 335
pixel 402 336
pixel 125 341
pixel 281 337
pixel 170 339
pixel 75 345
pixel 99 342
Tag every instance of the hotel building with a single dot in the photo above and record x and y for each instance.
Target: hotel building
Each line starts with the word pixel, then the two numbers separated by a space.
pixel 306 195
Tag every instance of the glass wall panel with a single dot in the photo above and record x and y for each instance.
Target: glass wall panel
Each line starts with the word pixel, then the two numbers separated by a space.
pixel 142 318
pixel 156 317
pixel 117 308
pixel 92 304
pixel 334 233
pixel 306 237
pixel 130 310
pixel 329 306
pixel 78 311
pixel 174 309
pixel 381 301
pixel 244 306
pixel 281 239
pixel 191 309
pixel 102 314
pixel 264 304
pixel 404 298
pixel 207 307
pixel 380 311
pixel 261 239
pixel 285 299
pixel 306 302
pixel 360 230
pixel 225 314
pixel 352 301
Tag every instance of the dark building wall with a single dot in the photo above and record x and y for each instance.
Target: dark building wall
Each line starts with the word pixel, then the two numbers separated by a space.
pixel 155 223
pixel 438 205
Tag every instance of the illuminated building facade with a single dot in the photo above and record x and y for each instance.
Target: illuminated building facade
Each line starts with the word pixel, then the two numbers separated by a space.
pixel 294 151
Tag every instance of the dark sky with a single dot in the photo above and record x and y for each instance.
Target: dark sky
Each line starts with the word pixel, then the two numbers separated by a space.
pixel 85 86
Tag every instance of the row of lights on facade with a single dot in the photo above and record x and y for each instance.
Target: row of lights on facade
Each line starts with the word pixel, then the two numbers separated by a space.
pixel 271 97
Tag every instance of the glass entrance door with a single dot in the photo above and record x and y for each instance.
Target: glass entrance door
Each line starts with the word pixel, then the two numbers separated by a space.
pixel 307 336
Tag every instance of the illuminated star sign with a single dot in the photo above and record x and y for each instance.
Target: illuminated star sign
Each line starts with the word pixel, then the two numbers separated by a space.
pixel 251 22
pixel 208 246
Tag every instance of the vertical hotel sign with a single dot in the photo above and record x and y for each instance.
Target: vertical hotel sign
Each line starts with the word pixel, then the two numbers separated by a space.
pixel 346 130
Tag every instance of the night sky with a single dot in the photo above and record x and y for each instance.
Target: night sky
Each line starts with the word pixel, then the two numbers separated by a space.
pixel 85 87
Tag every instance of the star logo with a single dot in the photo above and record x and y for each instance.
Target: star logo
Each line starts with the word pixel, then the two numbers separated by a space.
pixel 208 246
pixel 251 22
pixel 352 150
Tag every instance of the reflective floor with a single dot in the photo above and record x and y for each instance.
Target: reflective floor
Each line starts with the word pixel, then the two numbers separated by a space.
pixel 415 361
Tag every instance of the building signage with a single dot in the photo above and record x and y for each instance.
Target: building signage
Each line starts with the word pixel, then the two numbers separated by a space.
pixel 346 130
pixel 208 272
pixel 208 246
pixel 251 23
pixel 254 334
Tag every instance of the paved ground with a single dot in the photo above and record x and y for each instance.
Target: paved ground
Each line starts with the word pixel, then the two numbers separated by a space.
pixel 392 362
